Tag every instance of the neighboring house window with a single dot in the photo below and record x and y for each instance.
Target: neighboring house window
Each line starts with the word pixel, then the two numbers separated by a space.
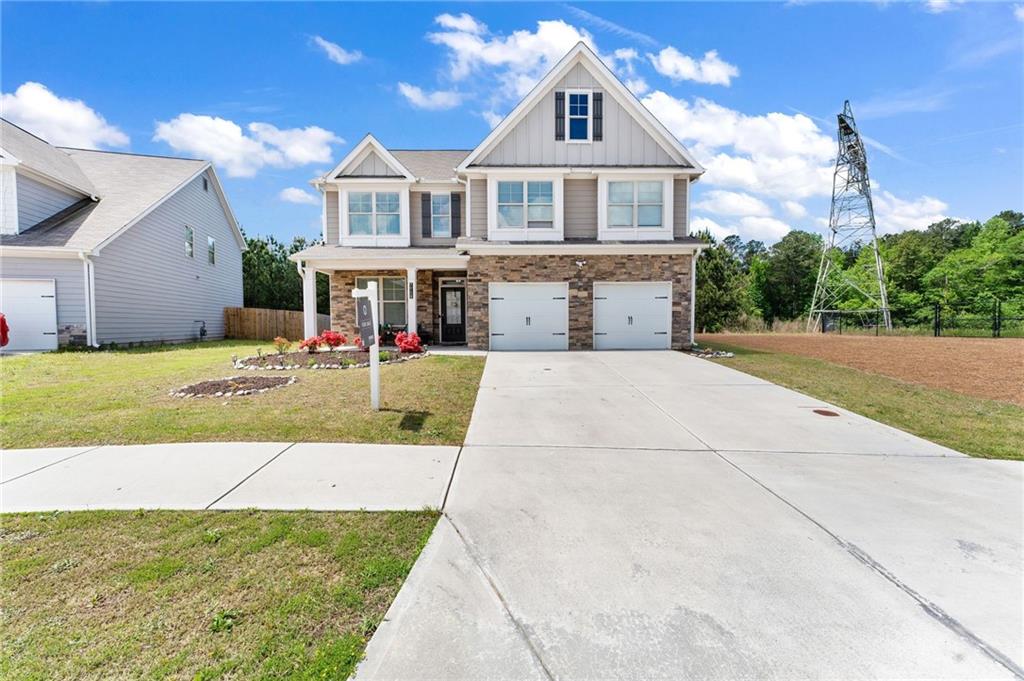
pixel 440 214
pixel 373 212
pixel 532 202
pixel 190 242
pixel 211 250
pixel 391 298
pixel 206 185
pixel 578 115
pixel 635 204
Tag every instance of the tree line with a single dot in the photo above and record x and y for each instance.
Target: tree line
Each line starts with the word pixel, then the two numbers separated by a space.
pixel 270 280
pixel 960 265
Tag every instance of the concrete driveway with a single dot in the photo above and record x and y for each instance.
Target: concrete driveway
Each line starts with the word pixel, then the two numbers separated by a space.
pixel 650 515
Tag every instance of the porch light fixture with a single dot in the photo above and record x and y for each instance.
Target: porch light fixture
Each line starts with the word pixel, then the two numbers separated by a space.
pixel 581 263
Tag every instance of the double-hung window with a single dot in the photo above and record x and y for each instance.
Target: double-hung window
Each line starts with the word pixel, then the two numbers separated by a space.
pixel 373 213
pixel 391 298
pixel 578 115
pixel 635 205
pixel 190 242
pixel 526 204
pixel 211 250
pixel 440 214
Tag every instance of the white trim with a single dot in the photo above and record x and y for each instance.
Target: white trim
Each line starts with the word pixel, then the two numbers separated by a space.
pixel 400 240
pixel 323 215
pixel 611 82
pixel 686 232
pixel 468 212
pixel 490 316
pixel 590 115
pixel 525 233
pixel 693 296
pixel 89 274
pixel 636 233
pixel 40 252
pixel 10 223
pixel 53 182
pixel 411 293
pixel 441 285
pixel 593 308
pixel 220 194
pixel 370 141
pixel 570 248
pixel 309 318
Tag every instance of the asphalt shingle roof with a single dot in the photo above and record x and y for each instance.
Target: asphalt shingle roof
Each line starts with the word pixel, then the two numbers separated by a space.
pixel 431 165
pixel 40 156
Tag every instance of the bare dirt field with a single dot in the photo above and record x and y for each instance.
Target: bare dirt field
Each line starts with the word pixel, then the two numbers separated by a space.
pixel 982 367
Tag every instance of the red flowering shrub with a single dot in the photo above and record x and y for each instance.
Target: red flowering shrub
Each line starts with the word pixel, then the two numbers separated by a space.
pixel 311 344
pixel 408 342
pixel 359 343
pixel 333 339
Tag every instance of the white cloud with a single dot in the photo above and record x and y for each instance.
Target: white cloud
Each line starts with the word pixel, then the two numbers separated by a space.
pixel 677 66
pixel 794 209
pixel 296 195
pixel 242 155
pixel 337 53
pixel 1018 11
pixel 59 121
pixel 612 27
pixel 940 6
pixel 438 100
pixel 768 230
pixel 492 118
pixel 914 100
pixel 638 86
pixel 464 22
pixel 701 224
pixel 622 61
pixel 893 214
pixel 732 203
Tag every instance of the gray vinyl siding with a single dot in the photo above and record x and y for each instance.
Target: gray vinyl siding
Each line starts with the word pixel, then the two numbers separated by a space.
pixel 679 226
pixel 69 275
pixel 333 224
pixel 531 142
pixel 147 289
pixel 478 194
pixel 38 201
pixel 416 221
pixel 372 166
pixel 580 197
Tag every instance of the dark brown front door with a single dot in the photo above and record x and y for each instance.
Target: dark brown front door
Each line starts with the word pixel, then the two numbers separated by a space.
pixel 453 314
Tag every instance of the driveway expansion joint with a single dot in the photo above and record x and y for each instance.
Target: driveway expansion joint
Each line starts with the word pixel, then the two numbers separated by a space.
pixel 931 608
pixel 243 480
pixel 52 463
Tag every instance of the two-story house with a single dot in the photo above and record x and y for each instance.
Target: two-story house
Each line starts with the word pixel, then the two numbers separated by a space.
pixel 566 228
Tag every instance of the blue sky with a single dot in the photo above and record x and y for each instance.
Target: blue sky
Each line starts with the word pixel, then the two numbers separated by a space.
pixel 276 93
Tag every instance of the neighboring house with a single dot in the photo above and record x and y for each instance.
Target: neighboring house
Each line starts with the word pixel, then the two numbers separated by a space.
pixel 566 228
pixel 101 247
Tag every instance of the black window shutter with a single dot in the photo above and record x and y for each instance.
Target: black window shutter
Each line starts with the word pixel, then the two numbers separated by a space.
pixel 425 208
pixel 456 215
pixel 598 117
pixel 559 116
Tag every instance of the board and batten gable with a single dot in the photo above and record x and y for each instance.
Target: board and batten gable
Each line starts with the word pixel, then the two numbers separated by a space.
pixel 148 289
pixel 416 221
pixel 371 166
pixel 69 275
pixel 38 201
pixel 531 142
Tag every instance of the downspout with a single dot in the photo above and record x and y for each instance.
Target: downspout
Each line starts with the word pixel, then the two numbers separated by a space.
pixel 89 273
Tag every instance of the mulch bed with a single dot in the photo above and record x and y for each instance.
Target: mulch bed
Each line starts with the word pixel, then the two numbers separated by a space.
pixel 233 386
pixel 334 359
pixel 981 367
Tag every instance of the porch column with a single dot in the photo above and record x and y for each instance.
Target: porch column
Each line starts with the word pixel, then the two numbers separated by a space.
pixel 309 301
pixel 410 306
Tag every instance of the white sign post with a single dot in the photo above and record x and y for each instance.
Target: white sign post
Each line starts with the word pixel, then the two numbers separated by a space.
pixel 366 319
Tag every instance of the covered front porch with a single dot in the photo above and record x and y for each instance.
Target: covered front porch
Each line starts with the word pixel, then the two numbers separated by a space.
pixel 422 291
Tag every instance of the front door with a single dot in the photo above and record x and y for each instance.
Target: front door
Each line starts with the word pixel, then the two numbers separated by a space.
pixel 453 314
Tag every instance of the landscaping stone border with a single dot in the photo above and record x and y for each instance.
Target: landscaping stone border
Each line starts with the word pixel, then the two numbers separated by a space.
pixel 397 358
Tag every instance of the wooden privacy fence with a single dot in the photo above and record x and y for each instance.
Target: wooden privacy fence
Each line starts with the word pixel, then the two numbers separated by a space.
pixel 256 323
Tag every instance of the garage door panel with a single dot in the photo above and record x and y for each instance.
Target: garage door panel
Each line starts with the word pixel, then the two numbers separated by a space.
pixel 632 316
pixel 30 306
pixel 529 316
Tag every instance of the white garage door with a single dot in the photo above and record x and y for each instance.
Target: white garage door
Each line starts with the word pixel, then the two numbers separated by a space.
pixel 30 306
pixel 632 315
pixel 532 316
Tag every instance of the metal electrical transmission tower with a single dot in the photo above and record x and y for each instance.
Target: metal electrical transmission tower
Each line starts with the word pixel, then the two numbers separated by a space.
pixel 851 222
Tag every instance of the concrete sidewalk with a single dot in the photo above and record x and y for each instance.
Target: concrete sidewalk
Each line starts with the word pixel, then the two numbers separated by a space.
pixel 226 475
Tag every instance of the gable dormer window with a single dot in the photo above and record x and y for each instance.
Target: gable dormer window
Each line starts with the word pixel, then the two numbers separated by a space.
pixel 577 116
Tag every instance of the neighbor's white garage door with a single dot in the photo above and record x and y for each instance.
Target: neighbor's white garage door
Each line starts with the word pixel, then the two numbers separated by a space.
pixel 533 316
pixel 30 306
pixel 632 315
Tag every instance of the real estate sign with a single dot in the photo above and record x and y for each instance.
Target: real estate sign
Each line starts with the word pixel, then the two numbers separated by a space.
pixel 365 321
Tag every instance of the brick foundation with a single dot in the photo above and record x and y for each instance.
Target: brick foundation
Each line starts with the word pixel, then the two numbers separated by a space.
pixel 485 269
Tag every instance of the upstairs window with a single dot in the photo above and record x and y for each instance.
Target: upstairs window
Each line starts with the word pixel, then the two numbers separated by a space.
pixel 635 204
pixel 373 213
pixel 190 242
pixel 206 185
pixel 526 204
pixel 211 250
pixel 440 214
pixel 578 115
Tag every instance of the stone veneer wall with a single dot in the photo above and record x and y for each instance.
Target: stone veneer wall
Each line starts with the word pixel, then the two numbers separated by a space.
pixel 485 269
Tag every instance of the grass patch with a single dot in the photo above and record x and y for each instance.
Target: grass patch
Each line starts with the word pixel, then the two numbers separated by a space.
pixel 121 397
pixel 972 425
pixel 149 595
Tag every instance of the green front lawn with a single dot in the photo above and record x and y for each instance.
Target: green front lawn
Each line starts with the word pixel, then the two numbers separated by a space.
pixel 972 425
pixel 121 397
pixel 200 595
